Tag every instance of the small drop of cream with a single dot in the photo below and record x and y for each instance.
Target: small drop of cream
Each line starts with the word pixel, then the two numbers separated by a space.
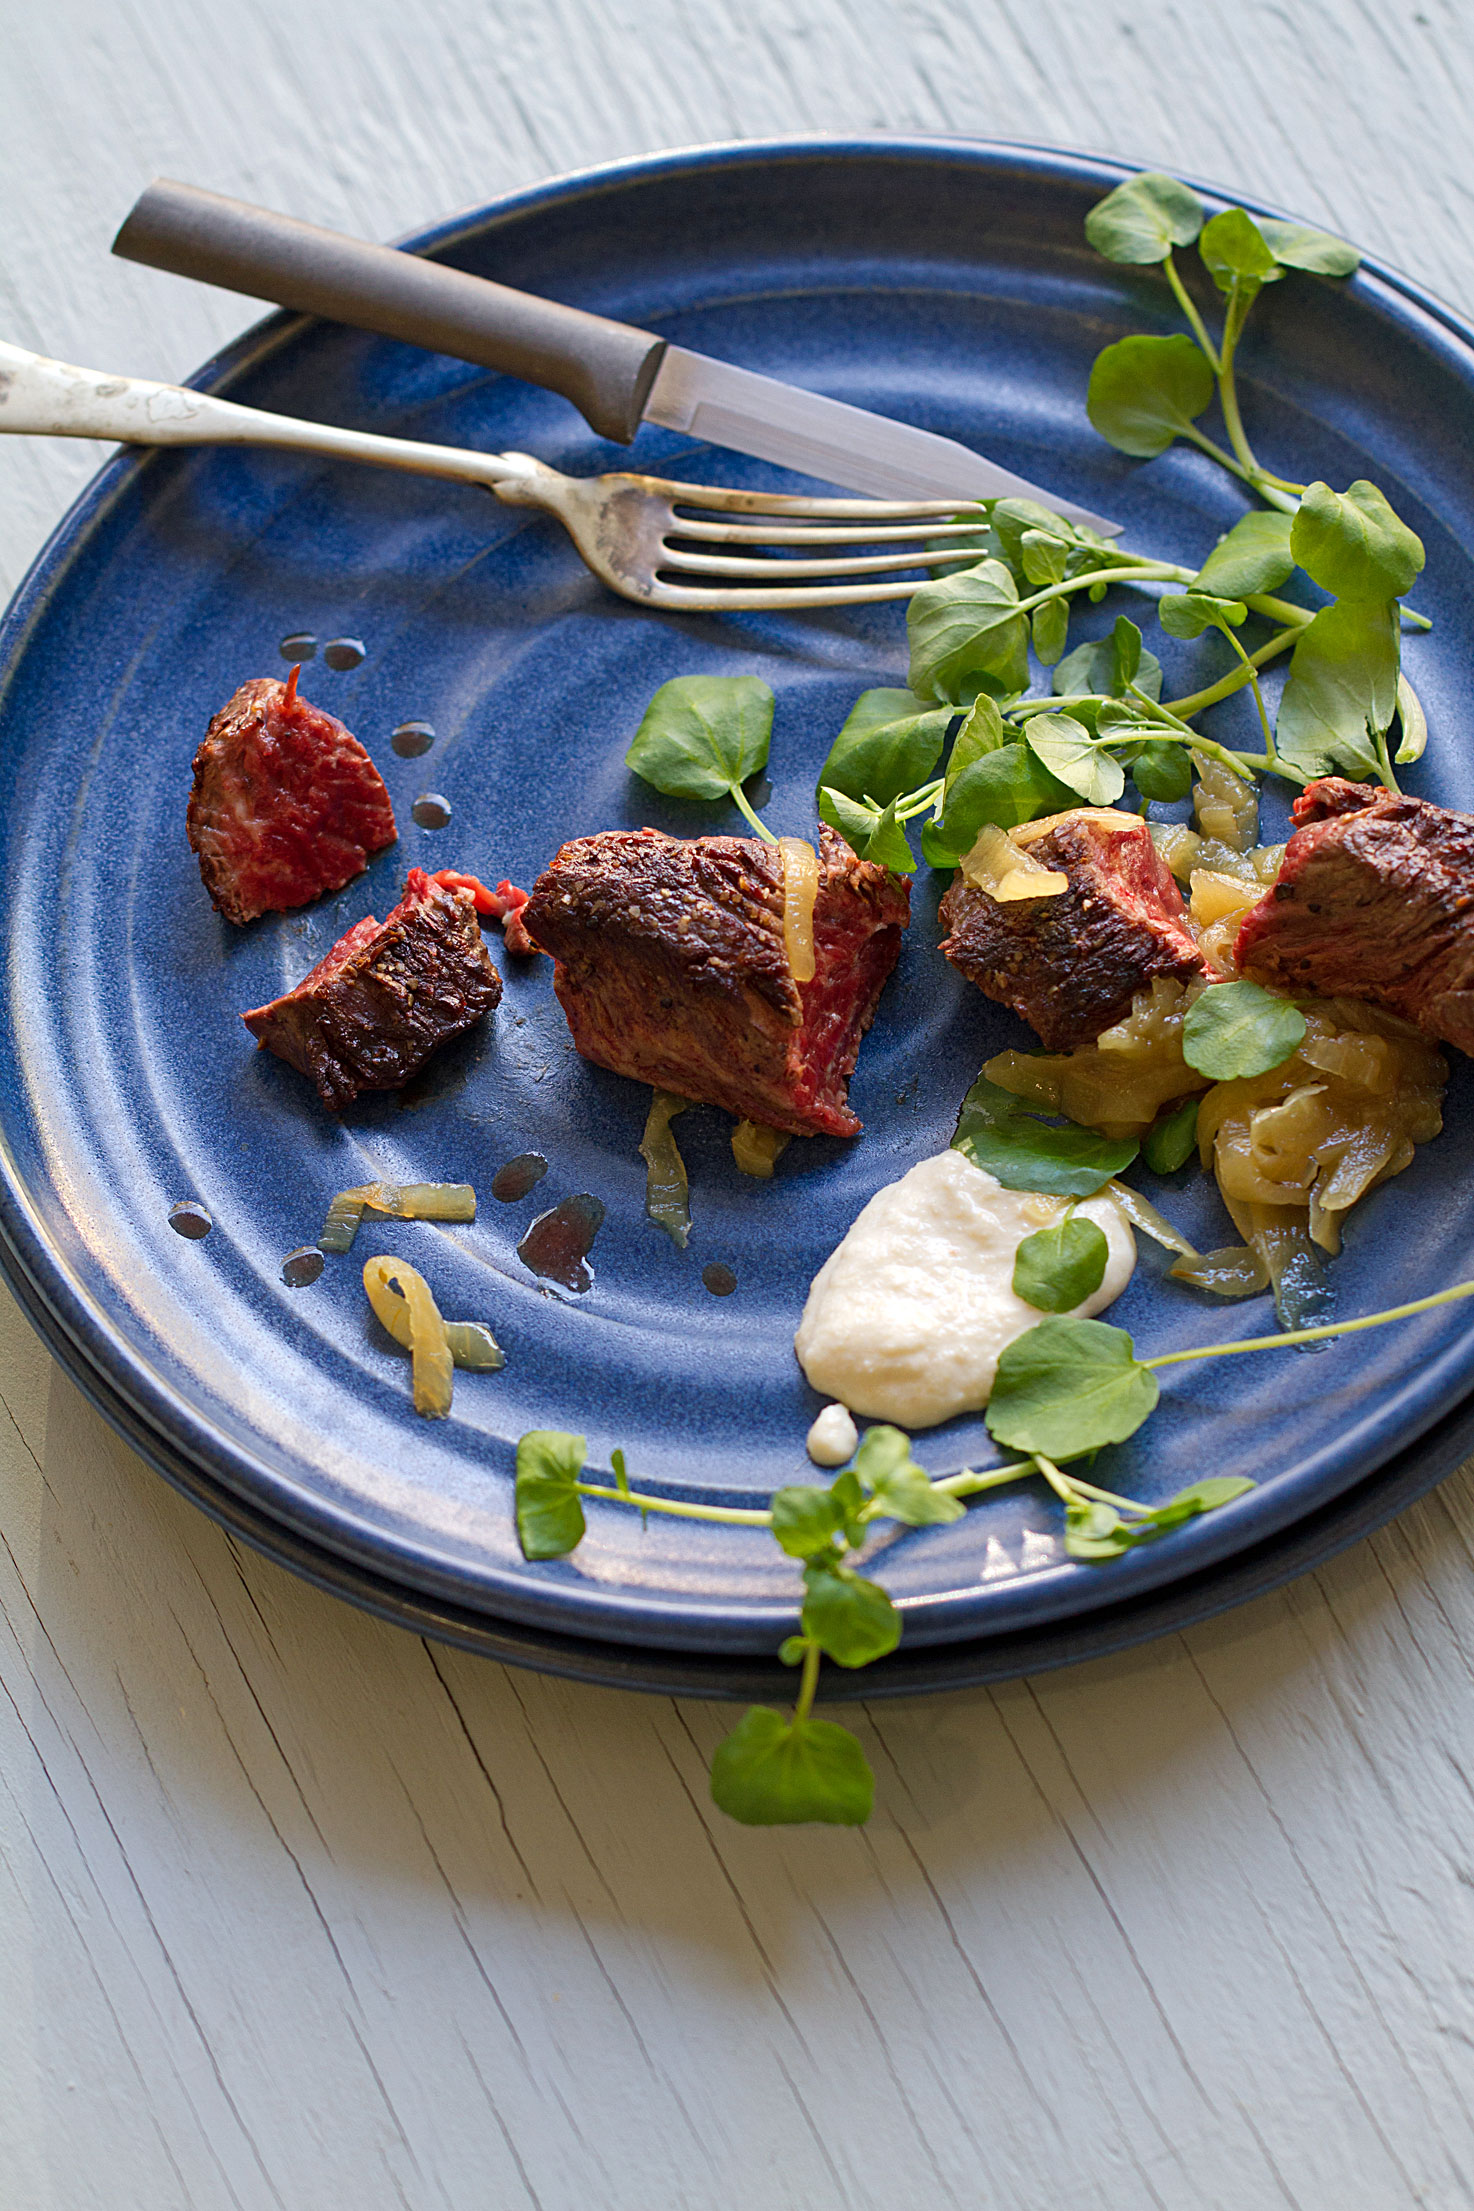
pixel 834 1438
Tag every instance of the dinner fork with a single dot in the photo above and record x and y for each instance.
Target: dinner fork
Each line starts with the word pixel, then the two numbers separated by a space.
pixel 641 535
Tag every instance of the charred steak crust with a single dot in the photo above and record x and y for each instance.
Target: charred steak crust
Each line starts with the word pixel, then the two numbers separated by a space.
pixel 670 965
pixel 286 803
pixel 1374 899
pixel 385 997
pixel 1072 964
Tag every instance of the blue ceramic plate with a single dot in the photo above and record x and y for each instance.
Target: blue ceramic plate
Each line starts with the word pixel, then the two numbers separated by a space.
pixel 946 283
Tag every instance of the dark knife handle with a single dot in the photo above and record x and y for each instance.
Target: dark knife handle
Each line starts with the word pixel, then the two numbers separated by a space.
pixel 605 368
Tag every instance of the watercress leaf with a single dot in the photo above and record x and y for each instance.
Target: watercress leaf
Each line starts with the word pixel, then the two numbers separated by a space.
pixel 1189 613
pixel 967 626
pixel 1050 627
pixel 773 1772
pixel 1058 1268
pixel 1233 246
pixel 886 1468
pixel 1069 1386
pixel 1414 723
pixel 848 1494
pixel 1008 787
pixel 1144 392
pixel 889 745
pixel 1342 683
pixel 1092 669
pixel 1125 644
pixel 1297 246
pixel 806 1519
pixel 888 846
pixel 997 1132
pixel 1170 1142
pixel 852 1620
pixel 792 1649
pixel 1044 558
pixel 982 732
pixel 1353 544
pixel 1204 1496
pixel 1254 556
pixel 1015 520
pixel 1095 1531
pixel 702 735
pixel 1064 747
pixel 1144 218
pixel 1240 1029
pixel 1162 770
pixel 550 1520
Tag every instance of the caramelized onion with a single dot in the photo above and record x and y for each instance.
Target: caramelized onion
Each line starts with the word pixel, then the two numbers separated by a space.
pixel 800 889
pixel 755 1147
pixel 433 1365
pixel 667 1191
pixel 1004 871
pixel 403 1201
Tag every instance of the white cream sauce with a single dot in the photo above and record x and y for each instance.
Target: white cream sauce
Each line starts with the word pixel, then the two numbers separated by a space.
pixel 907 1320
pixel 833 1438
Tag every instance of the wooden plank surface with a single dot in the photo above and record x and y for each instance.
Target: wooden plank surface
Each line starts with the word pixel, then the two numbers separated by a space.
pixel 296 1911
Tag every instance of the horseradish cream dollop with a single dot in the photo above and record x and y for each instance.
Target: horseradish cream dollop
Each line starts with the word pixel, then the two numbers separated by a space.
pixel 906 1321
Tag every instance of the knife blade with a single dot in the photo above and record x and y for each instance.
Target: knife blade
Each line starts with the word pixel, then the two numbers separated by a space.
pixel 827 438
pixel 617 376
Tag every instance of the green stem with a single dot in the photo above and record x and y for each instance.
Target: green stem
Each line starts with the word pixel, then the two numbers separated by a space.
pixel 1384 762
pixel 1316 1335
pixel 1144 571
pixel 1207 745
pixel 1235 680
pixel 968 1484
pixel 1271 757
pixel 1280 610
pixel 808 1683
pixel 1185 302
pixel 1215 452
pixel 732 1516
pixel 739 800
pixel 917 801
pixel 1061 1484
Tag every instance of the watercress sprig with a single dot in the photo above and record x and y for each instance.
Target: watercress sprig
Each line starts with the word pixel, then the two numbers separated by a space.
pixel 704 737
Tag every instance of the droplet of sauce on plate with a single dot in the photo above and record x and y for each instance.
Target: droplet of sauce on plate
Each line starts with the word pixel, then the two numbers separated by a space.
pixel 301 646
pixel 558 1243
pixel 513 1181
pixel 431 811
pixel 190 1218
pixel 301 1266
pixel 719 1280
pixel 411 739
pixel 343 652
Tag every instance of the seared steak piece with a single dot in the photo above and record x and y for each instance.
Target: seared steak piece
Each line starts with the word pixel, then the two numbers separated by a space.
pixel 671 967
pixel 387 995
pixel 1374 899
pixel 1072 964
pixel 286 804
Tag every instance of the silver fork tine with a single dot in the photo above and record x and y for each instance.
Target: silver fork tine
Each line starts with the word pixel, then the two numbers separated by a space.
pixel 680 597
pixel 728 564
pixel 753 533
pixel 711 497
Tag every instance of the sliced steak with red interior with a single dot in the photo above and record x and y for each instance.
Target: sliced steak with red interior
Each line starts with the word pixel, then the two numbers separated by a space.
pixel 286 803
pixel 387 995
pixel 1071 964
pixel 671 965
pixel 1374 899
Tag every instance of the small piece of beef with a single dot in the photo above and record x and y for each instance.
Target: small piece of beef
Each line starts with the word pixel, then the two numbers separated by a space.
pixel 670 965
pixel 387 995
pixel 504 904
pixel 1072 964
pixel 286 804
pixel 1374 899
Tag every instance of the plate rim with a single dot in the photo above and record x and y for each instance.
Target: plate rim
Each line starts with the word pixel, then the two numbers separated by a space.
pixel 99 1354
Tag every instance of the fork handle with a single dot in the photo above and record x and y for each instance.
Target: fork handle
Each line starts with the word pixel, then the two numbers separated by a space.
pixel 46 398
pixel 606 368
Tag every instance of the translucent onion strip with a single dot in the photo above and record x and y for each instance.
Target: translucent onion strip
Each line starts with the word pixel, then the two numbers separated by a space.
pixel 1003 871
pixel 404 1201
pixel 667 1191
pixel 433 1366
pixel 1143 1215
pixel 755 1148
pixel 800 889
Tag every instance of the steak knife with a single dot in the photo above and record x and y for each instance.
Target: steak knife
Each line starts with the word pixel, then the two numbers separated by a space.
pixel 616 376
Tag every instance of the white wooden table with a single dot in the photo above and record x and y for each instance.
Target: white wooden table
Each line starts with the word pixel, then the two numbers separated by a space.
pixel 297 1911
